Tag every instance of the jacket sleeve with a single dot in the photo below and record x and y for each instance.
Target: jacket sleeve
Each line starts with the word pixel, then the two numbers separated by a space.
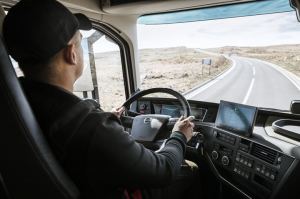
pixel 115 159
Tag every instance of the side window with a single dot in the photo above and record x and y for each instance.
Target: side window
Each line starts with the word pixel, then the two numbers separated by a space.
pixel 102 77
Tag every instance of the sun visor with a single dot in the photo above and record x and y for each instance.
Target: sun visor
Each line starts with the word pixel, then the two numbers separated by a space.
pixel 219 12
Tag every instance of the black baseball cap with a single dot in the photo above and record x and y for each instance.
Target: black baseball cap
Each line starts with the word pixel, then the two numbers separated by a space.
pixel 36 30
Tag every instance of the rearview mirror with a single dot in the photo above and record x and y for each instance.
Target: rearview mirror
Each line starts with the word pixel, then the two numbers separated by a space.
pixel 296 5
pixel 295 106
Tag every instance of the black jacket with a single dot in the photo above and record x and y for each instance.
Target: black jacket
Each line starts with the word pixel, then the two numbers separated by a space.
pixel 93 147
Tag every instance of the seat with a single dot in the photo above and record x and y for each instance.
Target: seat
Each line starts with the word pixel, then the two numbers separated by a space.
pixel 28 168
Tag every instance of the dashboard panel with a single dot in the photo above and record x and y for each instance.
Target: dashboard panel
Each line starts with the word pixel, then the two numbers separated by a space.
pixel 250 165
pixel 260 165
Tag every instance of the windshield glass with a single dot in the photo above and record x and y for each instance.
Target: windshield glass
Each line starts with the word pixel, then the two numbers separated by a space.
pixel 253 60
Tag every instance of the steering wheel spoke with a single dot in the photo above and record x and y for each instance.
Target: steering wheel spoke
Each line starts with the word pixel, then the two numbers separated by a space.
pixel 171 123
pixel 132 113
pixel 127 121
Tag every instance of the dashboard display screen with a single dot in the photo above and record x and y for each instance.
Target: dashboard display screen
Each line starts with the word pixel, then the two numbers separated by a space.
pixel 171 110
pixel 176 111
pixel 237 118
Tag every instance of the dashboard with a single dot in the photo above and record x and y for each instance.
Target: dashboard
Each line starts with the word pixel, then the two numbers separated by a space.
pixel 173 110
pixel 239 145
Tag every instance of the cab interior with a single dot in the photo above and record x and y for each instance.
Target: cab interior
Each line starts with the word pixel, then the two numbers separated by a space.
pixel 252 163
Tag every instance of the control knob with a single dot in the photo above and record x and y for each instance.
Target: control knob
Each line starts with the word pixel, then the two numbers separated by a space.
pixel 225 160
pixel 214 155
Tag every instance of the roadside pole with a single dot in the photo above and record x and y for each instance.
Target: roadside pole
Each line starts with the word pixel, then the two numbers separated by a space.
pixel 91 40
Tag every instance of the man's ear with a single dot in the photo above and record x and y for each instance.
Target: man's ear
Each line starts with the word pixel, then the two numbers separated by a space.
pixel 70 55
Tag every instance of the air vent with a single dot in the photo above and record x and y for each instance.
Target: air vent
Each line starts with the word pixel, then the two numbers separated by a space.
pixel 264 153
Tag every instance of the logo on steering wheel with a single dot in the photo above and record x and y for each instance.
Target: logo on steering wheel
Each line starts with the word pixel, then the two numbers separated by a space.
pixel 147 120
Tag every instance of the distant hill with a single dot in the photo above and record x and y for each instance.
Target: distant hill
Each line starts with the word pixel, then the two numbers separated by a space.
pixel 287 56
pixel 270 49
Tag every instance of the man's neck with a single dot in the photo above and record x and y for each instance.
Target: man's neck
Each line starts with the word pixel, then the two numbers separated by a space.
pixel 65 82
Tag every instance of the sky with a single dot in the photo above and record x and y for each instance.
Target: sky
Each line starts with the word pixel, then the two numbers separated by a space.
pixel 259 30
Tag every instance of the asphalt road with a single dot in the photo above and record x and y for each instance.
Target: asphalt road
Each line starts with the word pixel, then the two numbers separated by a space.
pixel 251 82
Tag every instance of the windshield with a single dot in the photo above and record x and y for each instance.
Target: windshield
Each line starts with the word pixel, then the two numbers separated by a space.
pixel 253 60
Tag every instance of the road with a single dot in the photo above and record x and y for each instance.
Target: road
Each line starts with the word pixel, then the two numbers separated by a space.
pixel 252 82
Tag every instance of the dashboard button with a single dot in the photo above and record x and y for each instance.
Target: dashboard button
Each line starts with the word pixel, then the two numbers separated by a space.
pixel 225 160
pixel 258 168
pixel 247 175
pixel 272 176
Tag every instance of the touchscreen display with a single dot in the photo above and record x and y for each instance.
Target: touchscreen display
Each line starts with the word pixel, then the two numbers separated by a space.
pixel 237 118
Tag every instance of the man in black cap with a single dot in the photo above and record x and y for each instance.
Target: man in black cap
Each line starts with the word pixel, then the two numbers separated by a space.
pixel 101 158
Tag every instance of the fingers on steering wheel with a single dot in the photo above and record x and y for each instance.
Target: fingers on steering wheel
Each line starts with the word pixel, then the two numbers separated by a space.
pixel 121 109
pixel 181 118
pixel 188 119
pixel 193 125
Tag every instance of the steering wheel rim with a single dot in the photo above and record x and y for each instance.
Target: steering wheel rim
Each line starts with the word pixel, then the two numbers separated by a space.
pixel 148 127
pixel 184 103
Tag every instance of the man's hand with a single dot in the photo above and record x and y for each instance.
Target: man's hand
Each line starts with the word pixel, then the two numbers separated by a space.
pixel 185 126
pixel 118 111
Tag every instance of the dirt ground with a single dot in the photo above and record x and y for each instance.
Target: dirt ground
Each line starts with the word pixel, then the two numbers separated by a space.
pixel 286 56
pixel 178 68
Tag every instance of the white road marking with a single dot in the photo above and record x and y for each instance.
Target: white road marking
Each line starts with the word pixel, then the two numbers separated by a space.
pixel 249 91
pixel 209 84
pixel 290 76
pixel 253 69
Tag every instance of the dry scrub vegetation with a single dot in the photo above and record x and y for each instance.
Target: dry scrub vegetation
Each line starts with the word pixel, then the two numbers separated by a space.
pixel 286 56
pixel 178 68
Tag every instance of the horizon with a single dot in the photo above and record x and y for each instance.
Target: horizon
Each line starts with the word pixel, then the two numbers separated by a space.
pixel 251 31
pixel 207 48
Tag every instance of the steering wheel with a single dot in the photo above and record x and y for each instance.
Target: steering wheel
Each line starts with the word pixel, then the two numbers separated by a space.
pixel 148 128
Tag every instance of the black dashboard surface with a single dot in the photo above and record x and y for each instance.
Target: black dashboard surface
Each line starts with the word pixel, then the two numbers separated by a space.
pixel 205 112
pixel 262 165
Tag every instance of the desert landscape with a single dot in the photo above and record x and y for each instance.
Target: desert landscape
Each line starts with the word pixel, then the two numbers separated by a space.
pixel 181 68
pixel 178 68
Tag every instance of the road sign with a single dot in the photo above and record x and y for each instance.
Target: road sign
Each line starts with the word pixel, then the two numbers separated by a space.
pixel 206 61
